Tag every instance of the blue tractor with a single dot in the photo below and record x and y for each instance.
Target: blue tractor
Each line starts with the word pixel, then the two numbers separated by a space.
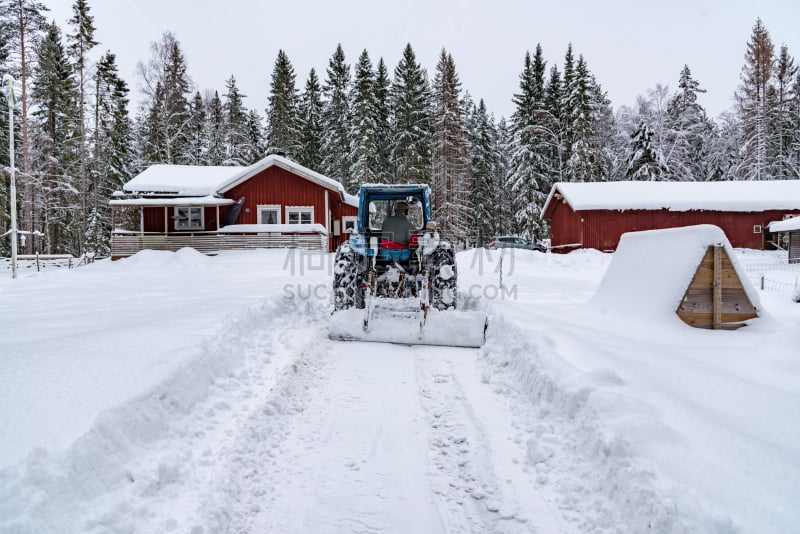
pixel 386 261
pixel 395 280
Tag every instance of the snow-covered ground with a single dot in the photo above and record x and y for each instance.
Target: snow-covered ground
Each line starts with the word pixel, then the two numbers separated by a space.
pixel 180 392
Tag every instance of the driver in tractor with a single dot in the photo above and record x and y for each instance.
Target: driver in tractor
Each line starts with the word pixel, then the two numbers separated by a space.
pixel 397 231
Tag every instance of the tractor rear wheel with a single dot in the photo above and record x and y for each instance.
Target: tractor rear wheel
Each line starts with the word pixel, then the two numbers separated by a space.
pixel 443 278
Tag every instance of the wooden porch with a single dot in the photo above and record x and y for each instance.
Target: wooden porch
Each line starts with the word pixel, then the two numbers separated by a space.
pixel 126 243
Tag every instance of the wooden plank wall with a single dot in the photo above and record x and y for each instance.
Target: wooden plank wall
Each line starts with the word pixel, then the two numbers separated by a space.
pixel 716 297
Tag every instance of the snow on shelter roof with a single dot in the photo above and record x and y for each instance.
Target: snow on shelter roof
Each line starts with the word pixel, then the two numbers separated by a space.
pixel 678 196
pixel 201 181
pixel 651 271
pixel 789 225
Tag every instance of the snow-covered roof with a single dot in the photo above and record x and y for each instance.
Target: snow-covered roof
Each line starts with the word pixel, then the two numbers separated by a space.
pixel 201 181
pixel 209 200
pixel 273 228
pixel 289 165
pixel 651 270
pixel 180 180
pixel 789 225
pixel 678 196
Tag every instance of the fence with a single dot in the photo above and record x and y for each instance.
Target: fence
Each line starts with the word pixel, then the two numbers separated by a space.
pixel 123 245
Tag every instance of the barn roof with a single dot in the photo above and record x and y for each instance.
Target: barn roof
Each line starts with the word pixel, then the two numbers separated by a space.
pixel 203 181
pixel 743 196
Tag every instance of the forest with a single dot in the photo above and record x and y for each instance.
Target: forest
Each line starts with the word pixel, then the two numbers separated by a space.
pixel 77 140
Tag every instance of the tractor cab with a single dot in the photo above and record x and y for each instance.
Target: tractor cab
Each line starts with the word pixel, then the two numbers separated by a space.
pixel 378 204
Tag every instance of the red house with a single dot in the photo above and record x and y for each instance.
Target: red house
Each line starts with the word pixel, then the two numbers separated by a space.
pixel 596 214
pixel 272 203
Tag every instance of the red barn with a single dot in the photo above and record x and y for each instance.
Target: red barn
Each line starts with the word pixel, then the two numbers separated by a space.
pixel 596 214
pixel 272 203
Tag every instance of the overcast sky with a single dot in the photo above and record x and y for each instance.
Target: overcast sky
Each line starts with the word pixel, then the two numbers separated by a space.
pixel 629 45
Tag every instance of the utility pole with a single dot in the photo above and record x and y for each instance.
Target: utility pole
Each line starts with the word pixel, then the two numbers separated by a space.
pixel 8 81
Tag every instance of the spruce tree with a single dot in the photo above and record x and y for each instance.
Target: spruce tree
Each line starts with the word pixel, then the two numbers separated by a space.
pixel 255 136
pixel 450 157
pixel 56 145
pixel 784 99
pixel 112 157
pixel 486 185
pixel 365 159
pixel 311 128
pixel 686 131
pixel 81 43
pixel 197 141
pixel 756 109
pixel 236 140
pixel 282 114
pixel 411 121
pixel 215 131
pixel 336 143
pixel 383 123
pixel 645 161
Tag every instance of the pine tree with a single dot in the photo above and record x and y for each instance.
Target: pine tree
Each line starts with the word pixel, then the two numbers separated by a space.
pixel 755 109
pixel 25 22
pixel 411 121
pixel 336 144
pixel 450 157
pixel 311 128
pixel 237 140
pixel 81 43
pixel 282 115
pixel 365 158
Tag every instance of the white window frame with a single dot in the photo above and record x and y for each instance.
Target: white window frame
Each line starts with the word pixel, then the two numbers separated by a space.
pixel 756 228
pixel 299 210
pixel 349 219
pixel 188 226
pixel 270 207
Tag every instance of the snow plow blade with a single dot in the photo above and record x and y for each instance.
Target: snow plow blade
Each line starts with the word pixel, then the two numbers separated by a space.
pixel 443 328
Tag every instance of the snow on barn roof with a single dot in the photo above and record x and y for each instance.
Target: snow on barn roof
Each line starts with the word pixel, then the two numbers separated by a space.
pixel 651 271
pixel 202 181
pixel 789 225
pixel 678 196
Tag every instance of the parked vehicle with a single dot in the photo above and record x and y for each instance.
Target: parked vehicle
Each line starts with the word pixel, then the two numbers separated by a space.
pixel 515 241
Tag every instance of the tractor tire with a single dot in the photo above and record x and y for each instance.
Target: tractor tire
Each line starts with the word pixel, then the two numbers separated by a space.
pixel 443 277
pixel 346 280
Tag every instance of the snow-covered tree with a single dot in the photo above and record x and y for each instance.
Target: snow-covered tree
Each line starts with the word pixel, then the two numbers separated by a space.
pixel 365 158
pixel 283 112
pixel 216 152
pixel 645 161
pixel 237 141
pixel 336 145
pixel 451 165
pixel 311 127
pixel 411 121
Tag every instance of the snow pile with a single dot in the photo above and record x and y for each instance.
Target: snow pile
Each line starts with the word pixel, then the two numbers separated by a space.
pixel 573 416
pixel 651 271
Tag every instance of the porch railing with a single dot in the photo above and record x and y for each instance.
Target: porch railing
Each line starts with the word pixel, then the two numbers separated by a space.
pixel 128 244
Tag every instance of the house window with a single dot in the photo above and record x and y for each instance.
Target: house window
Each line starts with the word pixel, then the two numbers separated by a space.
pixel 300 214
pixel 757 229
pixel 269 214
pixel 349 223
pixel 187 218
